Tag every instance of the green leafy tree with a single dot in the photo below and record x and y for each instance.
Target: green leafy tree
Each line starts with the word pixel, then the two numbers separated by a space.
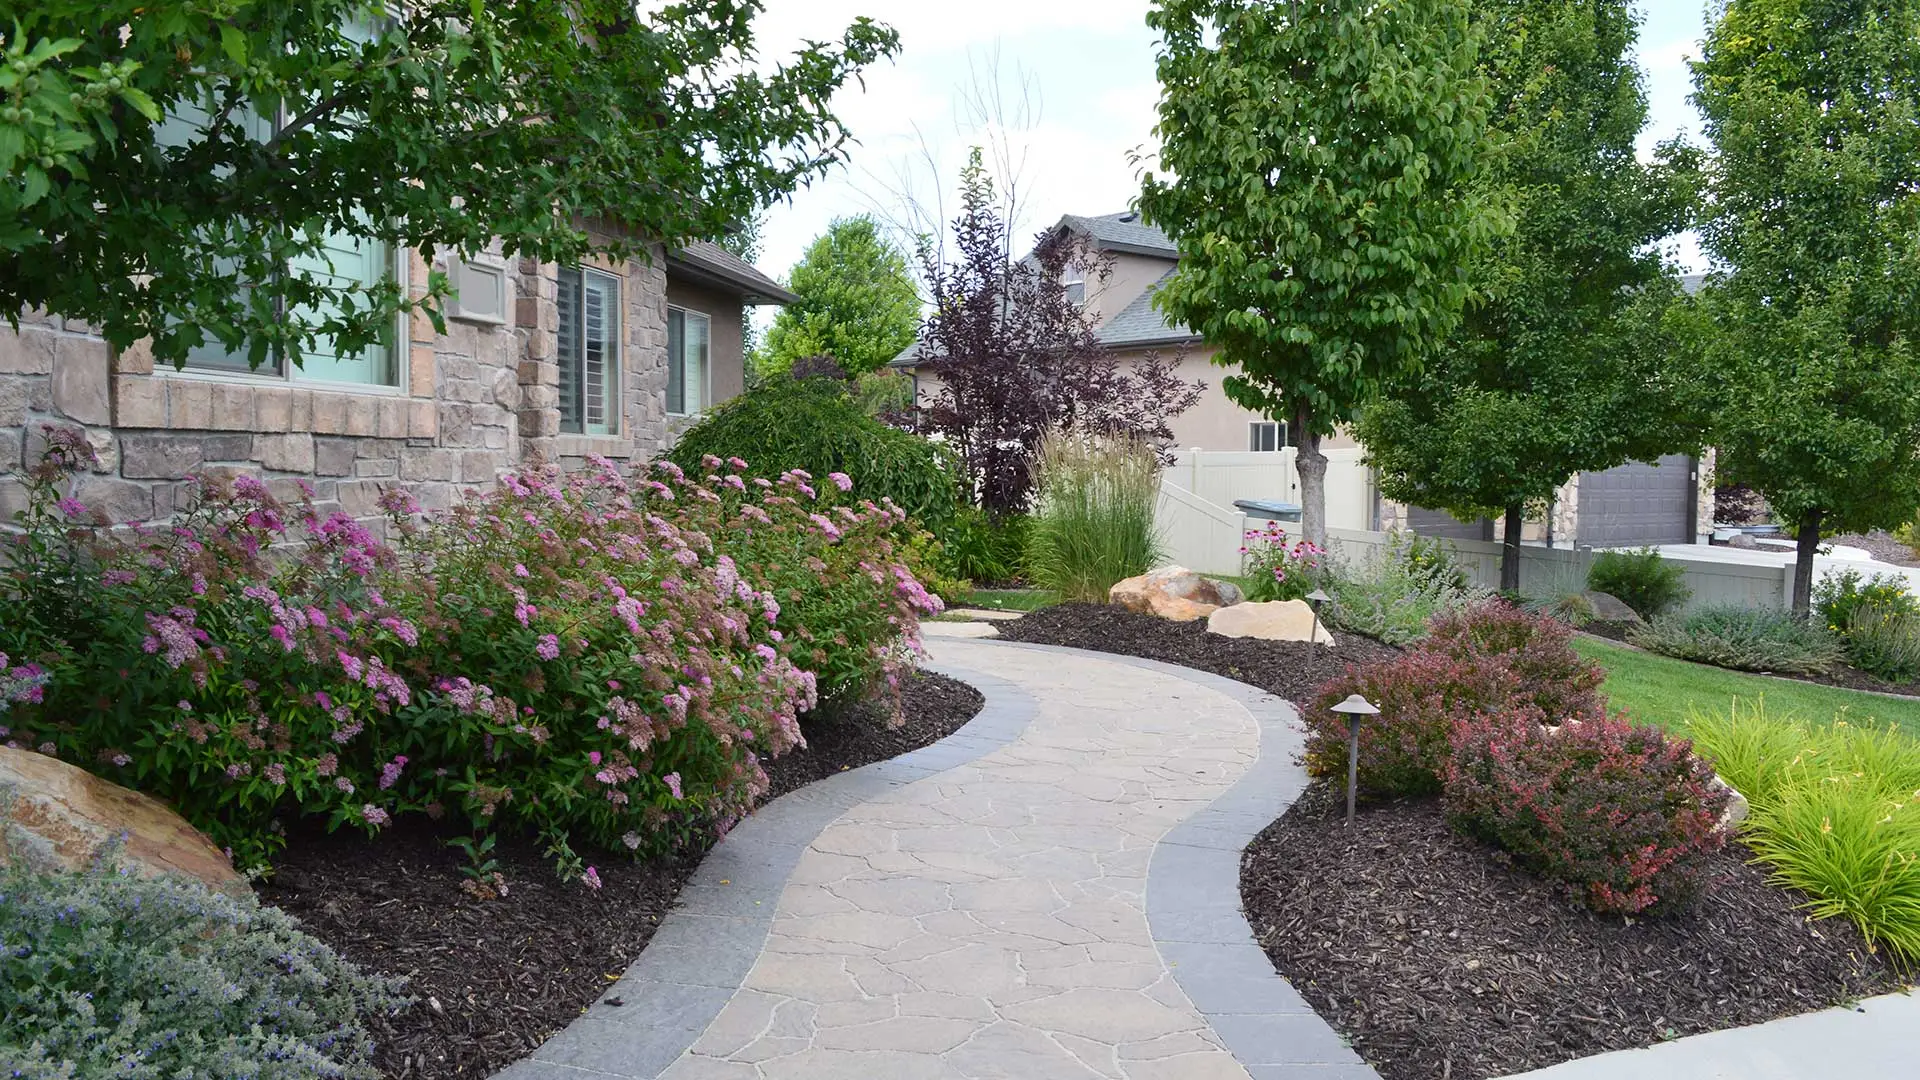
pixel 1807 344
pixel 1550 372
pixel 1318 163
pixel 173 169
pixel 857 303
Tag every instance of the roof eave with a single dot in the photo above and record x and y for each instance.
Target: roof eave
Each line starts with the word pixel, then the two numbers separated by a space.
pixel 753 291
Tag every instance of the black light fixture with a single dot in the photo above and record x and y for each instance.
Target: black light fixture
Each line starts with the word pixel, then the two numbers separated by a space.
pixel 1355 708
pixel 1314 600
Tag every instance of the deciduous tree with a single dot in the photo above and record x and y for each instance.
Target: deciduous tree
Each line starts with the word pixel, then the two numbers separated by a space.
pixel 1017 358
pixel 1807 343
pixel 857 303
pixel 167 167
pixel 1316 169
pixel 1551 371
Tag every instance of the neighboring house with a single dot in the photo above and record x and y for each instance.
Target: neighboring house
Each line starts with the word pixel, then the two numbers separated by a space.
pixel 1635 504
pixel 1124 319
pixel 539 363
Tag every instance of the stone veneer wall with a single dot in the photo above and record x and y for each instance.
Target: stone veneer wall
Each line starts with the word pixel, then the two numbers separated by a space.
pixel 474 401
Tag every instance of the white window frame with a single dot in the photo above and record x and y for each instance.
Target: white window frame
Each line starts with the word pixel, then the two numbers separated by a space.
pixel 706 381
pixel 1258 428
pixel 1074 281
pixel 610 425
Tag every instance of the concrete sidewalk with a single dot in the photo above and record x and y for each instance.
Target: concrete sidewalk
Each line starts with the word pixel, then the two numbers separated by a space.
pixel 1880 1040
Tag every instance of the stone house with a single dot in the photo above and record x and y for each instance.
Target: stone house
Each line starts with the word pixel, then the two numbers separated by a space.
pixel 539 363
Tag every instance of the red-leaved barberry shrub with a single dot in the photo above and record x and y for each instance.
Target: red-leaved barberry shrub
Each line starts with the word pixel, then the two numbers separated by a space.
pixel 1621 815
pixel 1536 648
pixel 1420 694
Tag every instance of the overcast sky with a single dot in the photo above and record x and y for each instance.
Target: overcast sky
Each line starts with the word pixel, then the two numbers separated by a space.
pixel 1089 64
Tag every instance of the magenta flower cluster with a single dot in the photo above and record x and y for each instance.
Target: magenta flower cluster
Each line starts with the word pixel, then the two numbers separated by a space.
pixel 1279 570
pixel 598 658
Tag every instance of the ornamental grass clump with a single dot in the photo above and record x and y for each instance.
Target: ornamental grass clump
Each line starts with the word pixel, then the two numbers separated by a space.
pixel 596 659
pixel 1832 813
pixel 111 975
pixel 1622 816
pixel 1093 523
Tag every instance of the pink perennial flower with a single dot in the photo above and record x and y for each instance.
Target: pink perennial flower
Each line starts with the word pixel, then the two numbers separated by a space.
pixel 672 780
pixel 548 647
pixel 591 878
pixel 841 480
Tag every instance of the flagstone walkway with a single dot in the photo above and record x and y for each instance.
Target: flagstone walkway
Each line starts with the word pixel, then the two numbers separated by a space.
pixel 1050 893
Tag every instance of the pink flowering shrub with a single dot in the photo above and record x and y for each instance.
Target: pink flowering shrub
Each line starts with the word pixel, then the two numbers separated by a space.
pixel 1538 649
pixel 839 565
pixel 603 661
pixel 1622 816
pixel 1277 570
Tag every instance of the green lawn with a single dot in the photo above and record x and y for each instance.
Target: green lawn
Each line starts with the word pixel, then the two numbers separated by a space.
pixel 1665 691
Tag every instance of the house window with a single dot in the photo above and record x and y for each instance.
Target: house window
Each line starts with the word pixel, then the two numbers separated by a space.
pixel 1266 435
pixel 589 349
pixel 689 341
pixel 346 260
pixel 1074 281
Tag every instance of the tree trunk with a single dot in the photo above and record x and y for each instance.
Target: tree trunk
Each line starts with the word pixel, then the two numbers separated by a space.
pixel 1809 542
pixel 1510 549
pixel 1312 466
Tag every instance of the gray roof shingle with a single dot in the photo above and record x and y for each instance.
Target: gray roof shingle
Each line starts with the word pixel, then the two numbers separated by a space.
pixel 716 265
pixel 1123 231
pixel 1139 324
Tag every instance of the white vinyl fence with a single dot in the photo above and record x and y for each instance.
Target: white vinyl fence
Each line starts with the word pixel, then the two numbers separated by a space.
pixel 1201 529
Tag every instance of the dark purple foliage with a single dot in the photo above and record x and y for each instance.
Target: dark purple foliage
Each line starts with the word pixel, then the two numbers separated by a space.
pixel 1017 356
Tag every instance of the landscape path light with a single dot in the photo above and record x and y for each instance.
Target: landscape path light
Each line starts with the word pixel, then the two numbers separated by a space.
pixel 1314 600
pixel 1355 708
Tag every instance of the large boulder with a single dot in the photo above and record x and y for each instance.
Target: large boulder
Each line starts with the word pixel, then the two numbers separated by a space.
pixel 1607 607
pixel 58 817
pixel 1737 806
pixel 1272 620
pixel 1173 592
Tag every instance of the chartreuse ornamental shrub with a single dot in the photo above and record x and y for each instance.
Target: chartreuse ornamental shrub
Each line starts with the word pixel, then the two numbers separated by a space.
pixel 1622 816
pixel 1833 813
pixel 1093 525
pixel 1742 638
pixel 592 658
pixel 111 975
pixel 1277 570
pixel 986 548
pixel 814 425
pixel 1642 580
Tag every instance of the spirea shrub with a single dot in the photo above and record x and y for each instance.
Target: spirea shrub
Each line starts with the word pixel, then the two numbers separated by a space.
pixel 1537 649
pixel 1622 816
pixel 106 974
pixel 595 658
pixel 1421 695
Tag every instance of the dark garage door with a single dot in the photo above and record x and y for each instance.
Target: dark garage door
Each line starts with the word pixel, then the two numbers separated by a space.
pixel 1440 523
pixel 1638 503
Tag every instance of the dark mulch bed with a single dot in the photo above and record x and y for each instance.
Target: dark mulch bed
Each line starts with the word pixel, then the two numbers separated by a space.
pixel 1278 667
pixel 1438 960
pixel 494 978
pixel 1844 676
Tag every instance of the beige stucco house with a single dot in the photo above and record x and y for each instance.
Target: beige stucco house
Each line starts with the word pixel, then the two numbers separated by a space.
pixel 1637 503
pixel 539 363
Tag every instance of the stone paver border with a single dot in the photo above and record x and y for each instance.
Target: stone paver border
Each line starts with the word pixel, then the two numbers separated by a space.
pixel 703 952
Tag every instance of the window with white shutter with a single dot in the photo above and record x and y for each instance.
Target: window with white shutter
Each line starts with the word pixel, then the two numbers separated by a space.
pixel 689 343
pixel 589 347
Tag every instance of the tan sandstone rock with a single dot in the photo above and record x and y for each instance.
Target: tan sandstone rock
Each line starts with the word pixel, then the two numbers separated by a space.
pixel 1172 592
pixel 1272 620
pixel 58 817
